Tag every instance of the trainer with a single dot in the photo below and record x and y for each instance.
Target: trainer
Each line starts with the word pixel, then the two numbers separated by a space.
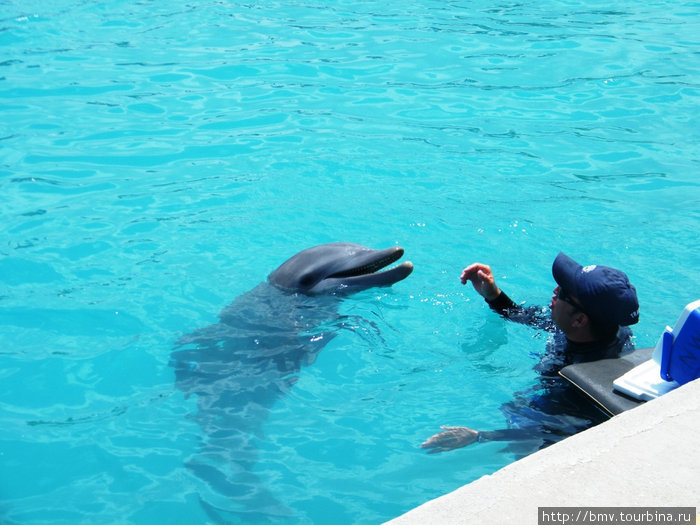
pixel 590 311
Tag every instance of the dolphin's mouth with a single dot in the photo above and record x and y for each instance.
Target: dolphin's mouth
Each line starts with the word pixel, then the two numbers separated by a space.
pixel 371 267
pixel 366 273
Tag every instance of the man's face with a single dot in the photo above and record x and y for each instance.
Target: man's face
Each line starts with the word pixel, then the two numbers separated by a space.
pixel 563 311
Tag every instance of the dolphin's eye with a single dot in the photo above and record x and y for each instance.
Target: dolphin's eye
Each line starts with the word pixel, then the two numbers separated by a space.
pixel 305 281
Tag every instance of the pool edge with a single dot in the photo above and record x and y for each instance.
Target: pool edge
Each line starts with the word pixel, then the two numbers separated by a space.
pixel 645 457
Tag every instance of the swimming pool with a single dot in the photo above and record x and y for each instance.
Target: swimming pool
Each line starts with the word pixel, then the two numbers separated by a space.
pixel 157 160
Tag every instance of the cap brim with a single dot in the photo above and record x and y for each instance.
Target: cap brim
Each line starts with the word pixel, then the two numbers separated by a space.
pixel 565 272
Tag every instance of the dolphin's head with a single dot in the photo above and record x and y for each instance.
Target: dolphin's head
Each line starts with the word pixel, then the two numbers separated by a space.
pixel 339 268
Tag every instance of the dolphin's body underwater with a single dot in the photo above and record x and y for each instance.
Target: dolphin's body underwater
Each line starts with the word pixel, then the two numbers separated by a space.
pixel 238 367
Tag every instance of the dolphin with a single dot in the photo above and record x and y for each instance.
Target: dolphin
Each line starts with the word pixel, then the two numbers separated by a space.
pixel 239 366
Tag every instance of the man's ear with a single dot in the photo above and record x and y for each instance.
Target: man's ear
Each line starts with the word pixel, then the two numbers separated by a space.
pixel 580 320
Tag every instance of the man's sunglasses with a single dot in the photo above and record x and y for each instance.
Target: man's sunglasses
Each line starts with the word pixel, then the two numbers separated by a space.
pixel 564 296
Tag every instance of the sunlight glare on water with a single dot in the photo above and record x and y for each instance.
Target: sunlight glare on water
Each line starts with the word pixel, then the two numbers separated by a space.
pixel 159 159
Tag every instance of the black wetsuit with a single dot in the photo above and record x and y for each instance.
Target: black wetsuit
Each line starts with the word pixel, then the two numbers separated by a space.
pixel 553 409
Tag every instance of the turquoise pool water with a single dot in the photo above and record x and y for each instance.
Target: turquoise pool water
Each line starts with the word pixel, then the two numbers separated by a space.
pixel 158 159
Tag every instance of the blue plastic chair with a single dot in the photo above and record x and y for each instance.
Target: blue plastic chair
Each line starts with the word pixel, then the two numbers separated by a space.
pixel 675 361
pixel 680 354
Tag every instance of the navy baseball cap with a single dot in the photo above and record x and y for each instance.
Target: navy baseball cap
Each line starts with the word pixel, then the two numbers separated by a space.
pixel 605 293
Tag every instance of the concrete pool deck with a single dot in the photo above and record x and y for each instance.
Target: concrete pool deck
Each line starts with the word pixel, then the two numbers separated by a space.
pixel 646 457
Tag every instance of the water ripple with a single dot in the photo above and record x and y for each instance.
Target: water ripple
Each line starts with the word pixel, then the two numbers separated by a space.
pixel 157 158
